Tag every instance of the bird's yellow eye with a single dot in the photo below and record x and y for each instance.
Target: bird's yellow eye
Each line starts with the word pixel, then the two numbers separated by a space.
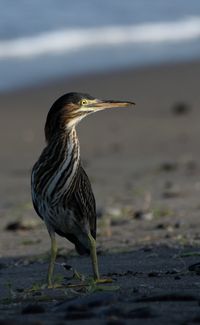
pixel 84 102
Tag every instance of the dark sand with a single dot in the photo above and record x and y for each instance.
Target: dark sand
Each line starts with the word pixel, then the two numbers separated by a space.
pixel 144 168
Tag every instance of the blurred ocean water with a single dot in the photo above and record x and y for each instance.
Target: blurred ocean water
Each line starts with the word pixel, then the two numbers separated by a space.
pixel 41 40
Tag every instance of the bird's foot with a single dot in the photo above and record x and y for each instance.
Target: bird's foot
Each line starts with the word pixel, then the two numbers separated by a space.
pixel 88 285
pixel 54 286
pixel 75 274
pixel 101 281
pixel 78 276
pixel 98 285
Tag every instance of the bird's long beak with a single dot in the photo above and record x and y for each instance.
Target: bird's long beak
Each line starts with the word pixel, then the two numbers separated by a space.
pixel 103 104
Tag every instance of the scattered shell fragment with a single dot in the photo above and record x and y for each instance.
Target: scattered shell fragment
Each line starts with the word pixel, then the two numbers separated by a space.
pixel 143 215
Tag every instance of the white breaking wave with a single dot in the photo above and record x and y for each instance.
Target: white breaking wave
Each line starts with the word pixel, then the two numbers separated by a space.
pixel 64 41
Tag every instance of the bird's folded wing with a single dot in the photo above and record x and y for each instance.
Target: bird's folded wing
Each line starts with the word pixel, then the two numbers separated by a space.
pixel 85 200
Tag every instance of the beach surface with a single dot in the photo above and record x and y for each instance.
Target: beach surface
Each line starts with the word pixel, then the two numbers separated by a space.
pixel 143 163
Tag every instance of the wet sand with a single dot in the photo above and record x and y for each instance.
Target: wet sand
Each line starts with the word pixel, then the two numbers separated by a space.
pixel 144 167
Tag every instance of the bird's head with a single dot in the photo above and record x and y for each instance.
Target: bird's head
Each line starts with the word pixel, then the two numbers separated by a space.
pixel 70 108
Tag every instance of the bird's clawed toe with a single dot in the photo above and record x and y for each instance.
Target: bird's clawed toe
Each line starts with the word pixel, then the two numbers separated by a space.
pixel 101 281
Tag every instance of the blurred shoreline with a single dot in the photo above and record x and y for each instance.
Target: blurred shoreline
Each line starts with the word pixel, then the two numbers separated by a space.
pixel 83 80
pixel 71 52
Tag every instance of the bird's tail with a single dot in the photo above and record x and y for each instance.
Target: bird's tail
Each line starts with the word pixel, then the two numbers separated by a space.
pixel 81 249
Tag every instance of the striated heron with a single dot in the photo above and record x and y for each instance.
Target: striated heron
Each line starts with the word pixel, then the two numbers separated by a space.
pixel 61 191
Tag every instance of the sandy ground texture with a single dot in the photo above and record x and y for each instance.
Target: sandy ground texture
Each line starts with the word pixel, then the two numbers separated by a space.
pixel 144 167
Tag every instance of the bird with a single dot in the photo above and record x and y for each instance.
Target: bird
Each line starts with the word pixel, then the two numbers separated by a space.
pixel 62 195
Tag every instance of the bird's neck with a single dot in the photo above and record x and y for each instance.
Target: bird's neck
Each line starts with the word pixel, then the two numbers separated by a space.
pixel 70 138
pixel 58 165
pixel 67 144
pixel 69 151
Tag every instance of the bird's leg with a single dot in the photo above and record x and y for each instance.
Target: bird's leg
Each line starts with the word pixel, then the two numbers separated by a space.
pixel 93 254
pixel 52 258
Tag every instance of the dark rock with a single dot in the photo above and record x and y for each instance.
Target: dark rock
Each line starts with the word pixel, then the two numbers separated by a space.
pixel 161 226
pixel 171 272
pixel 13 226
pixel 196 319
pixel 169 166
pixel 3 266
pixel 115 322
pixel 19 322
pixel 20 290
pixel 87 302
pixel 9 322
pixel 100 212
pixel 177 224
pixel 170 194
pixel 177 277
pixel 22 225
pixel 67 267
pixel 37 293
pixel 181 108
pixel 79 315
pixel 142 312
pixel 153 274
pixel 119 274
pixel 168 184
pixel 147 249
pixel 169 297
pixel 172 190
pixel 118 222
pixel 195 268
pixel 78 307
pixel 100 299
pixel 112 312
pixel 33 309
pixel 191 166
pixel 87 306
